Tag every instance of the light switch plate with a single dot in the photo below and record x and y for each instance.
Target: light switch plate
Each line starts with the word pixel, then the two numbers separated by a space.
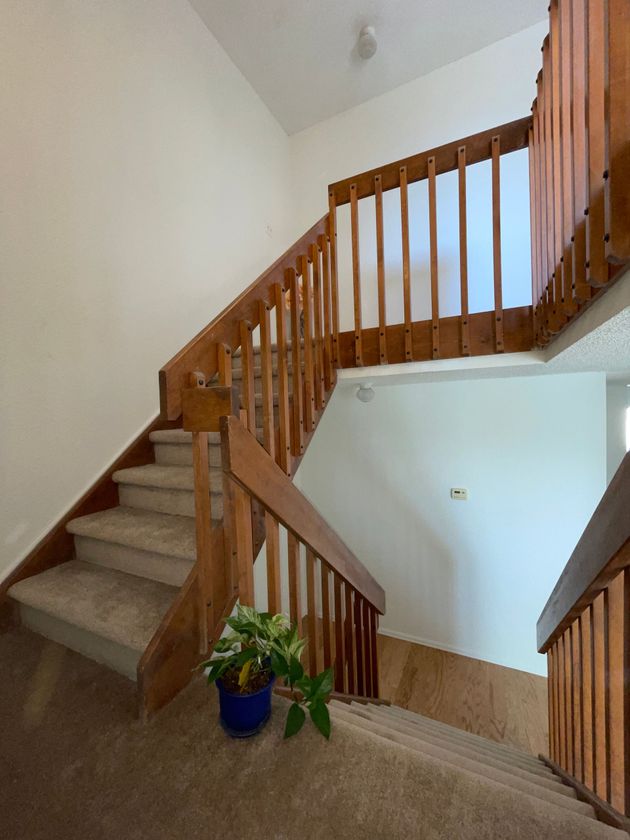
pixel 459 493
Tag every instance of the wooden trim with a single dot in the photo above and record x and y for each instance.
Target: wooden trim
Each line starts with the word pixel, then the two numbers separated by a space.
pixel 249 465
pixel 297 389
pixel 244 544
pixel 311 606
pixel 334 286
pixel 513 137
pixel 603 549
pixel 356 273
pixel 309 365
pixel 272 556
pixel 433 259
pixel 463 251
pixel 380 269
pixel 295 580
pixel 326 615
pixel 518 337
pixel 266 371
pixel 201 352
pixel 496 245
pixel 284 438
pixel 406 263
pixel 202 407
pixel 604 812
pixel 339 634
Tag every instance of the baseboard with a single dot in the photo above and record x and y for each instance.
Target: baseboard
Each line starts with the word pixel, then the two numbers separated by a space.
pixel 417 640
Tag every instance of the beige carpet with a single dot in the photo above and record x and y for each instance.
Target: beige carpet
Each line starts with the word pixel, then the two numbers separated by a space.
pixel 76 764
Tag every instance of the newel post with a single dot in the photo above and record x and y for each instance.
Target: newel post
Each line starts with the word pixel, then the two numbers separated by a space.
pixel 202 408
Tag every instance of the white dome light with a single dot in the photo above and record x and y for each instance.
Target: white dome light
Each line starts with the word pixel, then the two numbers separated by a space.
pixel 365 393
pixel 366 44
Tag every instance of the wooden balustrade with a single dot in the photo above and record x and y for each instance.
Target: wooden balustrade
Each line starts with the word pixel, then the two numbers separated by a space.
pixel 432 339
pixel 580 160
pixel 341 629
pixel 585 631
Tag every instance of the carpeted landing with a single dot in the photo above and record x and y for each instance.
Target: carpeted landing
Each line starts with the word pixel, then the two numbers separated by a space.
pixel 77 764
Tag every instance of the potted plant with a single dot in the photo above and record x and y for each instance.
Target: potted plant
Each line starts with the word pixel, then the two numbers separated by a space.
pixel 245 664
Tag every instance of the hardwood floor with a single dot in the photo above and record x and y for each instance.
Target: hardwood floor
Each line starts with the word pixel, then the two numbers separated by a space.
pixel 499 703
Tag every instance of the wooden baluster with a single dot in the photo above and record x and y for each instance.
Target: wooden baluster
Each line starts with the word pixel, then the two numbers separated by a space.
pixel 557 749
pixel 367 647
pixel 295 586
pixel 562 709
pixel 374 651
pixel 339 634
pixel 568 209
pixel 328 357
pixel 576 656
pixel 311 600
pixel 272 552
pixel 533 222
pixel 224 362
pixel 349 639
pixel 619 689
pixel 356 276
pixel 597 268
pixel 309 383
pixel 334 288
pixel 554 21
pixel 617 151
pixel 284 438
pixel 600 709
pixel 552 303
pixel 542 208
pixel 463 252
pixel 587 697
pixel 496 243
pixel 580 167
pixel 244 544
pixel 247 368
pixel 358 641
pixel 326 625
pixel 203 523
pixel 380 271
pixel 551 691
pixel 318 332
pixel 269 431
pixel 568 700
pixel 404 221
pixel 433 249
pixel 297 390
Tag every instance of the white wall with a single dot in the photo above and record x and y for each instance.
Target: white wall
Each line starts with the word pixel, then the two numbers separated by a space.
pixel 485 89
pixel 138 173
pixel 468 576
pixel 617 402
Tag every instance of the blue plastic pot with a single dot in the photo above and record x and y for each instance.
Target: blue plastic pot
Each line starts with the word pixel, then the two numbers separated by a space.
pixel 243 715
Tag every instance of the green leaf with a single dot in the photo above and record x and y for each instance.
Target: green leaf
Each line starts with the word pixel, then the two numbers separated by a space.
pixel 320 717
pixel 296 671
pixel 305 686
pixel 245 656
pixel 295 720
pixel 279 664
pixel 322 684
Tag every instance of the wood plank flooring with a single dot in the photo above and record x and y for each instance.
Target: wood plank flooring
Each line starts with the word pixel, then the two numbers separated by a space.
pixel 499 703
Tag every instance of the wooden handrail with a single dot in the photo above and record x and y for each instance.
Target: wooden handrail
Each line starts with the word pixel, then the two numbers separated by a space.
pixel 603 549
pixel 513 136
pixel 201 352
pixel 245 461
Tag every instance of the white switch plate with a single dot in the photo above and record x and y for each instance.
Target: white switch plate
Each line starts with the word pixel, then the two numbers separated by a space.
pixel 459 493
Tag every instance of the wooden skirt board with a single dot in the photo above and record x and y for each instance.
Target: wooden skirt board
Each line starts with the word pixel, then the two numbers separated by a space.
pixel 503 704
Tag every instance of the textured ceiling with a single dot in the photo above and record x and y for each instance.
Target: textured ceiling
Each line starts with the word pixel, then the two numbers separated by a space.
pixel 301 58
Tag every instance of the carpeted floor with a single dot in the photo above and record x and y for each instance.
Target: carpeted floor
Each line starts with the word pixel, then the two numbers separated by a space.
pixel 76 765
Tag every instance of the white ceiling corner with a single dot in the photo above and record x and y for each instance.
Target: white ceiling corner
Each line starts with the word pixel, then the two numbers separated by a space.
pixel 300 55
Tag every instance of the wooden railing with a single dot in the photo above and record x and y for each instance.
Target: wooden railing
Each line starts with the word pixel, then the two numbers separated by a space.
pixel 342 599
pixel 468 333
pixel 585 631
pixel 579 146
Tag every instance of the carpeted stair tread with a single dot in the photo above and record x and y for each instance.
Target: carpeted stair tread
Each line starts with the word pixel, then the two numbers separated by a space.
pixel 123 608
pixel 465 764
pixel 160 533
pixel 182 438
pixel 166 477
pixel 500 762
pixel 472 741
pixel 447 729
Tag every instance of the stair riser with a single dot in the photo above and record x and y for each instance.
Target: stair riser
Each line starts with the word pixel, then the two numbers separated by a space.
pixel 176 502
pixel 119 658
pixel 171 570
pixel 532 766
pixel 180 455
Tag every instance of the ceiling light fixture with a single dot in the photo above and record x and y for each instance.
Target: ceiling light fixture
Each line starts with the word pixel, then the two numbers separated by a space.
pixel 366 44
pixel 365 393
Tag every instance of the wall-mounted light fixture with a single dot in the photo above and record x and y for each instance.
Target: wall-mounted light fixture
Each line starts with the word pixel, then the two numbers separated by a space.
pixel 365 393
pixel 366 45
